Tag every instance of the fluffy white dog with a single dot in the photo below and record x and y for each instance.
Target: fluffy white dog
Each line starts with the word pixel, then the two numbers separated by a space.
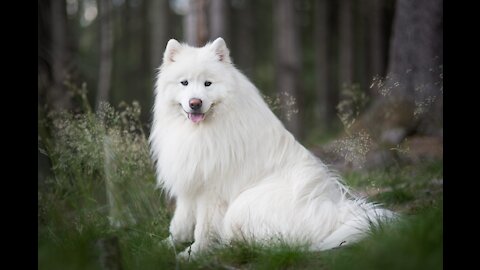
pixel 235 171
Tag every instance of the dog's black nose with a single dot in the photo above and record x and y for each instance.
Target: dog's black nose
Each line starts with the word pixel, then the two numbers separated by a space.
pixel 195 103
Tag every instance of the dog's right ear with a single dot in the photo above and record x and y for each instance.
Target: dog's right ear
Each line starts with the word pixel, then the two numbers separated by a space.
pixel 221 50
pixel 173 47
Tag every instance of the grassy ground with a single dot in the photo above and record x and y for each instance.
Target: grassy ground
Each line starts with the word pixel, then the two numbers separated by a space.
pixel 102 188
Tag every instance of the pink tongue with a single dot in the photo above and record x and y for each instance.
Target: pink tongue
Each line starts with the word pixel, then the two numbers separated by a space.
pixel 196 117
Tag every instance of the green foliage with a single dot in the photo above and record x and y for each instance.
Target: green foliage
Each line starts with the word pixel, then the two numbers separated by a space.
pixel 351 105
pixel 259 256
pixel 103 186
pixel 408 188
pixel 103 181
pixel 414 243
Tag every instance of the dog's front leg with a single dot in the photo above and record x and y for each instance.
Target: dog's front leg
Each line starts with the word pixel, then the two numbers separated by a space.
pixel 209 216
pixel 183 221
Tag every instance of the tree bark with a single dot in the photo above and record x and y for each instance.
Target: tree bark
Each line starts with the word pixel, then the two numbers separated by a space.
pixel 44 50
pixel 376 34
pixel 411 95
pixel 361 76
pixel 245 27
pixel 58 96
pixel 288 63
pixel 195 23
pixel 416 61
pixel 145 38
pixel 219 20
pixel 346 42
pixel 106 46
pixel 159 24
pixel 332 94
pixel 146 73
pixel 322 72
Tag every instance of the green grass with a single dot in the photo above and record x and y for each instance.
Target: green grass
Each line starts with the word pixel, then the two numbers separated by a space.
pixel 407 188
pixel 414 243
pixel 89 191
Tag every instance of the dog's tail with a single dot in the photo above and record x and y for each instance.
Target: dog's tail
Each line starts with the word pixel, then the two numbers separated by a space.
pixel 358 219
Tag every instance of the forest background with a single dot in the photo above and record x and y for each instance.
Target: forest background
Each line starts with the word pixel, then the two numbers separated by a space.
pixel 358 82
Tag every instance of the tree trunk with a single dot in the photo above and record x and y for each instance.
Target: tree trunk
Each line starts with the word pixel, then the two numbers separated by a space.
pixel 195 23
pixel 332 94
pixel 145 38
pixel 322 72
pixel 44 50
pixel 106 46
pixel 410 97
pixel 346 42
pixel 245 27
pixel 288 65
pixel 159 24
pixel 376 34
pixel 58 97
pixel 146 73
pixel 360 46
pixel 125 48
pixel 219 20
pixel 416 61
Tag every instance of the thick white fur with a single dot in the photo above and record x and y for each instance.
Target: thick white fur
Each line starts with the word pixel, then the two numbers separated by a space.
pixel 239 174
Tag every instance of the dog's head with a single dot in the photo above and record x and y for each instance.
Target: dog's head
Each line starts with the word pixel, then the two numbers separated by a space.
pixel 194 81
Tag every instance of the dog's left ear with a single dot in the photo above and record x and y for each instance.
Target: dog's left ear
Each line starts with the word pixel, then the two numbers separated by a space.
pixel 221 50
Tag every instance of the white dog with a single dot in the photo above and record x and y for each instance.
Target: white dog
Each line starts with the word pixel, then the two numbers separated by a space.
pixel 235 171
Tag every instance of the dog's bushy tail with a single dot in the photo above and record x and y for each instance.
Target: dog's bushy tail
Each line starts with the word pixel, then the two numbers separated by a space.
pixel 359 219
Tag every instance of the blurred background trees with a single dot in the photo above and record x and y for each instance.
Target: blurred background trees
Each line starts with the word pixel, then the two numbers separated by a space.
pixel 332 68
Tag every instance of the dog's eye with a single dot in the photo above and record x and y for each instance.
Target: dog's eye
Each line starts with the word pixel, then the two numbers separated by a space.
pixel 207 83
pixel 184 83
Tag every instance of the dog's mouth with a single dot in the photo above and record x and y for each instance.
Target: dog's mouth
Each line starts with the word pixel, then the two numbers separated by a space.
pixel 196 117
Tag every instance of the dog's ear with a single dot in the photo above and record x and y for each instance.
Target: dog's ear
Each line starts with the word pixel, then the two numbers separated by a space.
pixel 221 50
pixel 173 47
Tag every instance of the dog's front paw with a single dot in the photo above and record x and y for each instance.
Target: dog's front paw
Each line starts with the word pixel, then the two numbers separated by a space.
pixel 180 232
pixel 186 255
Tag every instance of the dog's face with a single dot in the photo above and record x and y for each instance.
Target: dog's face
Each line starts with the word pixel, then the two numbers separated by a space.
pixel 194 81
